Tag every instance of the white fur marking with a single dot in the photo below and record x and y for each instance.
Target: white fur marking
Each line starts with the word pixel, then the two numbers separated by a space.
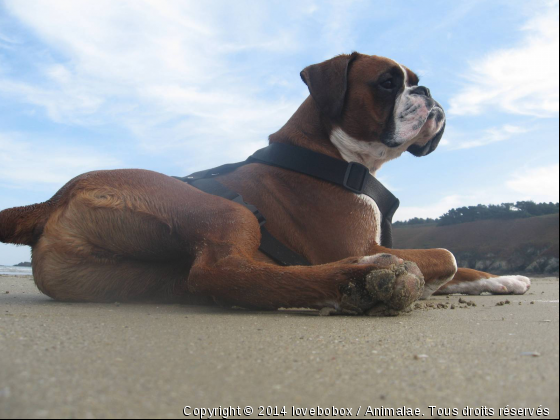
pixel 435 285
pixel 370 154
pixel 453 258
pixel 372 259
pixel 330 304
pixel 368 201
pixel 504 285
pixel 405 83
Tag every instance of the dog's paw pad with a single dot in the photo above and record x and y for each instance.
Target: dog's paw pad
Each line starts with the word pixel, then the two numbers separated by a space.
pixel 381 284
pixel 384 291
pixel 409 287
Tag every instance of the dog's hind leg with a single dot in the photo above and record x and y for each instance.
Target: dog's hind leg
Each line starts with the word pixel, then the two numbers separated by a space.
pixel 107 255
pixel 116 236
pixel 78 272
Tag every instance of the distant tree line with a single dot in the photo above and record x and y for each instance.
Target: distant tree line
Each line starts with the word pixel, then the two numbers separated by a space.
pixel 416 221
pixel 504 211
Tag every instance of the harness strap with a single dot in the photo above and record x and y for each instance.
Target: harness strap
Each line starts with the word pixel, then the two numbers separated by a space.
pixel 269 244
pixel 352 176
pixel 211 173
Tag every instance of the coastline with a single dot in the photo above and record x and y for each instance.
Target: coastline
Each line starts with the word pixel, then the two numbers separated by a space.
pixel 6 270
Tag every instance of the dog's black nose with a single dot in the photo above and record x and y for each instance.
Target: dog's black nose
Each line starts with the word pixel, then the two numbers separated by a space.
pixel 421 90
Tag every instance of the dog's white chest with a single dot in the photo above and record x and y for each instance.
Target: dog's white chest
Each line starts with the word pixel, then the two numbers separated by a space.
pixel 373 214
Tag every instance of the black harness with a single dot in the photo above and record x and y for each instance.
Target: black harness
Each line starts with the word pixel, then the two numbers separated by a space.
pixel 352 176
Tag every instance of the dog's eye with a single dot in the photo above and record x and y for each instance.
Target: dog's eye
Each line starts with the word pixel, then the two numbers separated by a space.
pixel 388 84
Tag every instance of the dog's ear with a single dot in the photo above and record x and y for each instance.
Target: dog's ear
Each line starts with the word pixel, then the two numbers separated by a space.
pixel 327 83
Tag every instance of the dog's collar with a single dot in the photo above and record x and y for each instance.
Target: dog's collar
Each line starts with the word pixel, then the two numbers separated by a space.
pixel 352 176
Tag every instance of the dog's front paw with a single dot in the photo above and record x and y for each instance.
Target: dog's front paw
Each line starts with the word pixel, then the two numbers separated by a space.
pixel 503 285
pixel 386 290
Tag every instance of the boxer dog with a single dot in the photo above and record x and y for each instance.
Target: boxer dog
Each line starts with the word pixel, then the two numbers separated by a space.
pixel 132 234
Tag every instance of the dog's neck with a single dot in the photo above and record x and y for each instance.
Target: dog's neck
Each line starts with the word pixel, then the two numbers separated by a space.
pixel 310 129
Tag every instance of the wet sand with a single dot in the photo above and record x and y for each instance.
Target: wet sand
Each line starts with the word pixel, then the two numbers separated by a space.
pixel 144 360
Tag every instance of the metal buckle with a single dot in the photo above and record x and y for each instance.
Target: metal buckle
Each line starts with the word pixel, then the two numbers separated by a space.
pixel 361 174
pixel 260 218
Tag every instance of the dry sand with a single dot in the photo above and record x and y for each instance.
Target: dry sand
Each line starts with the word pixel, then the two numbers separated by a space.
pixel 143 360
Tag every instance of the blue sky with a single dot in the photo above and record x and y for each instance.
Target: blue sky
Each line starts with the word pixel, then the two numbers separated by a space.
pixel 180 86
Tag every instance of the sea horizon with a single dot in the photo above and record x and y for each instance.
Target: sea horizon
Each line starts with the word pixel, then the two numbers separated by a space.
pixel 15 271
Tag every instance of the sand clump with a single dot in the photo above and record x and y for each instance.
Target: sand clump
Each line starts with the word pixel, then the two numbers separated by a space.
pixel 461 304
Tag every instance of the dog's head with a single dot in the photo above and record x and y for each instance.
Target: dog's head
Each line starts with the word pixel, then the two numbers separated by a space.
pixel 375 108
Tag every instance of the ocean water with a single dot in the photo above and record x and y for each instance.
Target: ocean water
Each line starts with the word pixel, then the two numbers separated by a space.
pixel 15 271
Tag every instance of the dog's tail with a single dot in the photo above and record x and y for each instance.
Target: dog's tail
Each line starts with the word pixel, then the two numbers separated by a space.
pixel 24 225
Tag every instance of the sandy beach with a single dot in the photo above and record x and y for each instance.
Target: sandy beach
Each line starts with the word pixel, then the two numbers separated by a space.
pixel 143 360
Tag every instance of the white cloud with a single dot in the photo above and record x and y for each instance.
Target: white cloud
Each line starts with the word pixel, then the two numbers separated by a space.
pixel 24 163
pixel 538 184
pixel 455 140
pixel 433 210
pixel 69 102
pixel 337 32
pixel 521 80
pixel 163 70
pixel 7 41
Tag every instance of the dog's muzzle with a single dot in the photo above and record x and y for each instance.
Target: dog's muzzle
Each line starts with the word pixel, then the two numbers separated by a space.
pixel 437 114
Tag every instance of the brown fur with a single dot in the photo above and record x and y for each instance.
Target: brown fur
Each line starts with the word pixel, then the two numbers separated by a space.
pixel 133 234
